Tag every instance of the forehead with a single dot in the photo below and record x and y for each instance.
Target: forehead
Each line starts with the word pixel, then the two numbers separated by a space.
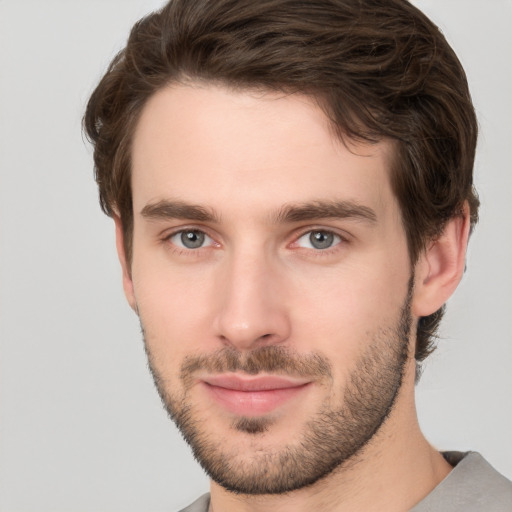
pixel 223 148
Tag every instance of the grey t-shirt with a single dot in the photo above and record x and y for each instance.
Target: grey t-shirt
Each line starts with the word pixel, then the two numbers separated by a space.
pixel 472 486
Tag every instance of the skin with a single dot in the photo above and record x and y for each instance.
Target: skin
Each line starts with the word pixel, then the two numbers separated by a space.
pixel 245 157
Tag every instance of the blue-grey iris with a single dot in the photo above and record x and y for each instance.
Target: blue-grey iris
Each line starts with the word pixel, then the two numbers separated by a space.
pixel 192 239
pixel 321 239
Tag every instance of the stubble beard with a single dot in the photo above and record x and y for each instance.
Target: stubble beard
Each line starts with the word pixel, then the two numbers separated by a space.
pixel 329 440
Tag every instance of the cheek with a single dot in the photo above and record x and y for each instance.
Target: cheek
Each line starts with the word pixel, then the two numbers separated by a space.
pixel 342 312
pixel 173 308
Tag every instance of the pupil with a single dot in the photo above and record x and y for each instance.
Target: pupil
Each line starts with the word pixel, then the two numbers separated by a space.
pixel 321 239
pixel 192 239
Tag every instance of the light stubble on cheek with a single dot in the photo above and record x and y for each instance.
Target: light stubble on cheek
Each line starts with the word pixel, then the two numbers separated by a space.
pixel 340 427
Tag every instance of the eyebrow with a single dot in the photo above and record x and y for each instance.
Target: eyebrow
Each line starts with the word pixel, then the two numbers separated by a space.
pixel 167 209
pixel 289 213
pixel 324 210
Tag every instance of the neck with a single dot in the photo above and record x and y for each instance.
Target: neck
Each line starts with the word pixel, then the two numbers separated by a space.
pixel 395 471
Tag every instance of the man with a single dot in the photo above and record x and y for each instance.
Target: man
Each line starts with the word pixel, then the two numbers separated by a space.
pixel 291 184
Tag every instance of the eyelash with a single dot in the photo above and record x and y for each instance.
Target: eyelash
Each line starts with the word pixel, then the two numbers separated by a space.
pixel 183 250
pixel 197 252
pixel 322 252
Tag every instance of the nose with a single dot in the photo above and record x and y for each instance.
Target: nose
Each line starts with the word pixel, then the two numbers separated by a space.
pixel 251 303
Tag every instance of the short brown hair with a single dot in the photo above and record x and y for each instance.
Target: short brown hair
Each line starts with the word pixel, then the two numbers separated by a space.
pixel 378 68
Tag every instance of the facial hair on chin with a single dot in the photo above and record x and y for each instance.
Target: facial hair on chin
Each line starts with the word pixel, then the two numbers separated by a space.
pixel 329 439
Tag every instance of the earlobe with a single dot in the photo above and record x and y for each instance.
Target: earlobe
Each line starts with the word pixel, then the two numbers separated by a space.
pixel 125 265
pixel 441 266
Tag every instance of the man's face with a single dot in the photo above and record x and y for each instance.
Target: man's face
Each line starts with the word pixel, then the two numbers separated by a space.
pixel 271 275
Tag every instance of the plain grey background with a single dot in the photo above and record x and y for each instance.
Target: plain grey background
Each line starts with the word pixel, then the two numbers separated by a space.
pixel 82 428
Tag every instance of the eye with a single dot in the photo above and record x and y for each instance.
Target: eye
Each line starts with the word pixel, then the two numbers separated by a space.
pixel 318 239
pixel 190 239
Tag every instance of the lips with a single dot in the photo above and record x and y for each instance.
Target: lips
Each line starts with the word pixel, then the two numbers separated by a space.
pixel 253 396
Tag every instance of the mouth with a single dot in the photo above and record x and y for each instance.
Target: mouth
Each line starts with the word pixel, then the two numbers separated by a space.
pixel 253 396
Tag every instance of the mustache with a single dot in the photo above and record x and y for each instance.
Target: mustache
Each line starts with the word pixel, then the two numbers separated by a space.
pixel 268 359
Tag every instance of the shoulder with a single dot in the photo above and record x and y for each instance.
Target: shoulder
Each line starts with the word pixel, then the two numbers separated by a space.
pixel 472 486
pixel 200 505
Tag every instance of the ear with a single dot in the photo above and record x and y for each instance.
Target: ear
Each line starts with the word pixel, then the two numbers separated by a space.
pixel 440 267
pixel 125 265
